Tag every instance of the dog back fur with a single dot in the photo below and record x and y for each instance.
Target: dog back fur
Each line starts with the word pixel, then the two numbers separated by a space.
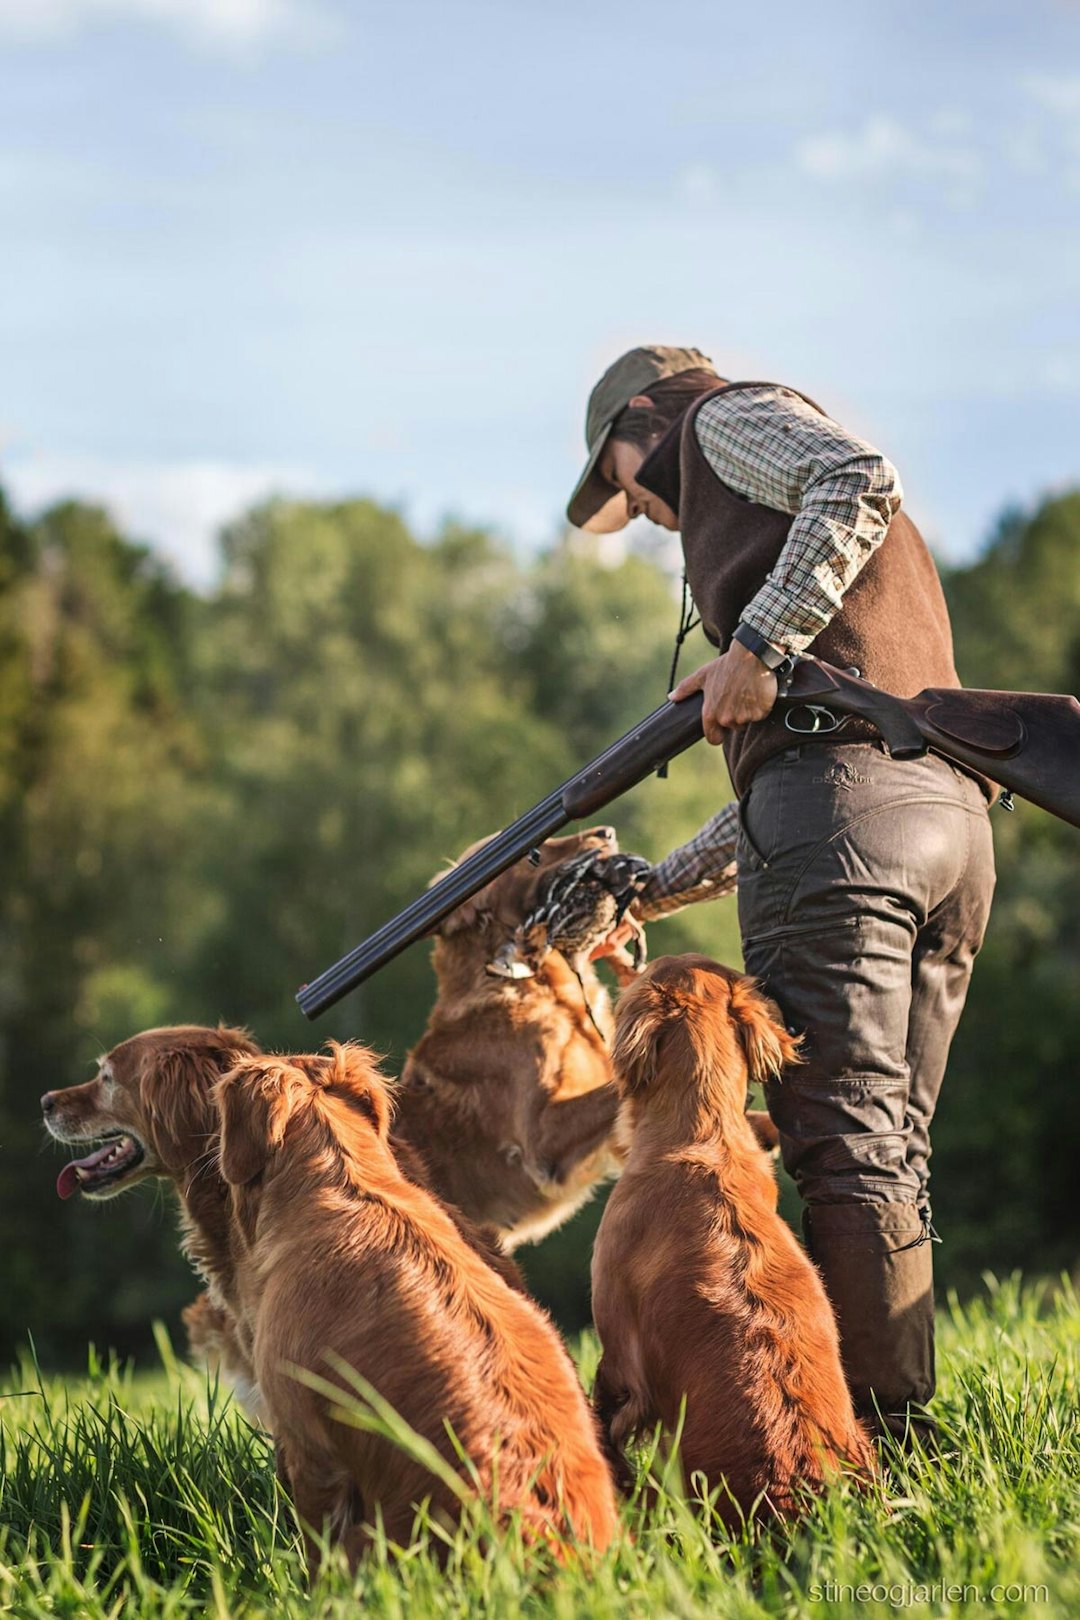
pixel 508 1094
pixel 338 1254
pixel 700 1290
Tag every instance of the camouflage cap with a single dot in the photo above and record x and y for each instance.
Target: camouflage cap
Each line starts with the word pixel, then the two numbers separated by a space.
pixel 595 504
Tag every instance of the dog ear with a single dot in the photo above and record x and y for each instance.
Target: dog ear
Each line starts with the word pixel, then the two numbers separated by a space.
pixel 767 1044
pixel 639 1025
pixel 354 1074
pixel 255 1100
pixel 176 1090
pixel 472 911
pixel 469 915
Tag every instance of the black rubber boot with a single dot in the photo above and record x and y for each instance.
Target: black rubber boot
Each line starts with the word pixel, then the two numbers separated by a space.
pixel 877 1264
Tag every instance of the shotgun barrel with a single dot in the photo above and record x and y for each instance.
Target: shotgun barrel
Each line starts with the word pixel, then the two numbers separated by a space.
pixel 1027 742
pixel 667 732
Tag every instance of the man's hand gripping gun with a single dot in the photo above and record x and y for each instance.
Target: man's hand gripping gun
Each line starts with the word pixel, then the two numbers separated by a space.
pixel 1028 743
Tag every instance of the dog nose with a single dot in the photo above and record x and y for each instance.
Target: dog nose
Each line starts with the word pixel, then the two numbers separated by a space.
pixel 48 1102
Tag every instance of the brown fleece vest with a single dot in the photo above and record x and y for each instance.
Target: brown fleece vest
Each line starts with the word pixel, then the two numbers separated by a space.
pixel 893 625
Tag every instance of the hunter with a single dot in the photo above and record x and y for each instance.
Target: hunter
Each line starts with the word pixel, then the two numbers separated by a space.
pixel 864 882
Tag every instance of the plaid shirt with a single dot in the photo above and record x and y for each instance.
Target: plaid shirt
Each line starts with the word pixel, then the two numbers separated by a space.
pixel 770 445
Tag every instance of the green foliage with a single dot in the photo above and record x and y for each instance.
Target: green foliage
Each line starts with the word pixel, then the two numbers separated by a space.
pixel 1009 1116
pixel 153 1497
pixel 98 821
pixel 205 799
pixel 1016 612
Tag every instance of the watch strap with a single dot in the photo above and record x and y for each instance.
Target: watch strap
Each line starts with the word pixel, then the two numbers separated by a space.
pixel 772 657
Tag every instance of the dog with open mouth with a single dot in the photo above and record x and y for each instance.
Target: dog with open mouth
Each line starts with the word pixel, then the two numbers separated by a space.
pixel 150 1112
pixel 148 1109
pixel 370 1248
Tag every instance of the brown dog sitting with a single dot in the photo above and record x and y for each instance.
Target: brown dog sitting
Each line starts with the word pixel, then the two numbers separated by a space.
pixel 339 1255
pixel 151 1111
pixel 700 1290
pixel 508 1095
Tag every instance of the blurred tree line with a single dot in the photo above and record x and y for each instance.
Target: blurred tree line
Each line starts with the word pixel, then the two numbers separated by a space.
pixel 204 799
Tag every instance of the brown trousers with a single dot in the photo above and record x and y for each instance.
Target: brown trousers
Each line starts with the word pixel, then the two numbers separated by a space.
pixel 864 890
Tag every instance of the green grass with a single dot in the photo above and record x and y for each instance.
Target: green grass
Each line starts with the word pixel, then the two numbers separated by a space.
pixel 149 1494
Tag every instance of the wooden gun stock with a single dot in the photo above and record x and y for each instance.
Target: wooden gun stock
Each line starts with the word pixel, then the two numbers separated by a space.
pixel 1027 742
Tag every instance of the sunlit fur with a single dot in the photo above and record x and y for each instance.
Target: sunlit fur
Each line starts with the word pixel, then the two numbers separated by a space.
pixel 214 1341
pixel 336 1252
pixel 158 1086
pixel 508 1094
pixel 700 1290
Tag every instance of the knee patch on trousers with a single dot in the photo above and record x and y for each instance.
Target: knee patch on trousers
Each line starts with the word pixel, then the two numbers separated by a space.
pixel 844 1139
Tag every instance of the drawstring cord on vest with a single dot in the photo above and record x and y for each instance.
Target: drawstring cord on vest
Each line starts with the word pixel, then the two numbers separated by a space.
pixel 687 623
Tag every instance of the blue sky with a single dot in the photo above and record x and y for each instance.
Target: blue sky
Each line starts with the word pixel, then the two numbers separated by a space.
pixel 332 248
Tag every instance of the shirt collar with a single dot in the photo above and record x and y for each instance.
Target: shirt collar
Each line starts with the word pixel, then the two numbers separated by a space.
pixel 660 472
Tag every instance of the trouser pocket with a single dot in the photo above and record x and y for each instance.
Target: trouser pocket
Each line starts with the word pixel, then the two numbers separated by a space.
pixel 844 985
pixel 760 817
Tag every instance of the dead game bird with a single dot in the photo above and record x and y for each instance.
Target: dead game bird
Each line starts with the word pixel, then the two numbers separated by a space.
pixel 580 903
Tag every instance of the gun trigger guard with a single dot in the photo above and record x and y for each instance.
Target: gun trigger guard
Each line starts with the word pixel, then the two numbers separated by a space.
pixel 784 672
pixel 822 721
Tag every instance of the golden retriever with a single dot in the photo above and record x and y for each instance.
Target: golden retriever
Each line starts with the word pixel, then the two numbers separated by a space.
pixel 508 1095
pixel 151 1110
pixel 341 1261
pixel 701 1292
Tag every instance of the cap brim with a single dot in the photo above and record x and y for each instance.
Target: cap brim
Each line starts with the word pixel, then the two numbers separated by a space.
pixel 595 506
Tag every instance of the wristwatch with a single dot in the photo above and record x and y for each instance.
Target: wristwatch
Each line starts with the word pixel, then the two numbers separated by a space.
pixel 772 657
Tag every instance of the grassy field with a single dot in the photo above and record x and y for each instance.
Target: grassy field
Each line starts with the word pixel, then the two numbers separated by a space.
pixel 130 1493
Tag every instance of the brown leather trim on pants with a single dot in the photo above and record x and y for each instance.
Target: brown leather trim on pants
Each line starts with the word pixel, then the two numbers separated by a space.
pixel 877 1264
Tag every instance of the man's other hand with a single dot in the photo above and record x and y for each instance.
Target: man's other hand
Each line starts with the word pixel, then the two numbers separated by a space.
pixel 613 950
pixel 737 687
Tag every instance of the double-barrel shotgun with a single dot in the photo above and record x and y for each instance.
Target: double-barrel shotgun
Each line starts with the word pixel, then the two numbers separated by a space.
pixel 1026 742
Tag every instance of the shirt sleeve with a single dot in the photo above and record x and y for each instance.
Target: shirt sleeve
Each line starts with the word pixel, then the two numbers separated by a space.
pixel 702 869
pixel 773 447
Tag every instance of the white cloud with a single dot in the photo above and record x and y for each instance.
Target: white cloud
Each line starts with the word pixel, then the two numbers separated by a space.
pixel 697 185
pixel 177 507
pixel 1060 97
pixel 1058 94
pixel 1024 152
pixel 884 148
pixel 180 507
pixel 220 23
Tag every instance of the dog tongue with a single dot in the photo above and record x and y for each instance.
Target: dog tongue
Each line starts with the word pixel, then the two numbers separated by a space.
pixel 67 1182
